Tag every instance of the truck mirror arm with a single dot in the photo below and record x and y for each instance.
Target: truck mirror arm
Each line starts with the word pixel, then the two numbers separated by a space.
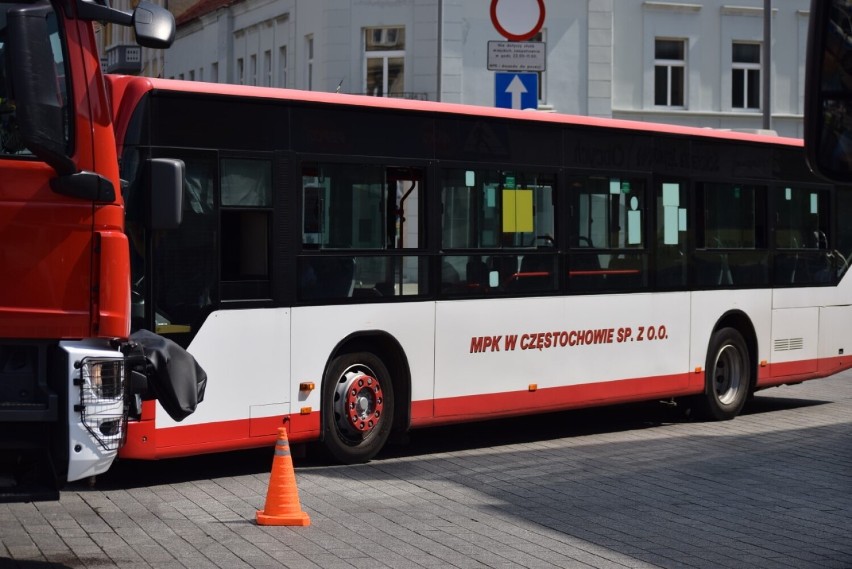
pixel 153 24
pixel 84 185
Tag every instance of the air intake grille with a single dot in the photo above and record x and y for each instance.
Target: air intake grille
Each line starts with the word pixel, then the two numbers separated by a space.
pixel 787 344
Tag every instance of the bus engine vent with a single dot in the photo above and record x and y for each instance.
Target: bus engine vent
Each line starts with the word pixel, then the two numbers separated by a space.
pixel 102 401
pixel 786 344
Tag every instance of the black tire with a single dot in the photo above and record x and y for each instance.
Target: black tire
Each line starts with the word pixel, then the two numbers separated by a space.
pixel 727 376
pixel 357 407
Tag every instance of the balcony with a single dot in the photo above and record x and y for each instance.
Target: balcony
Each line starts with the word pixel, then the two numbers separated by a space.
pixel 124 59
pixel 407 95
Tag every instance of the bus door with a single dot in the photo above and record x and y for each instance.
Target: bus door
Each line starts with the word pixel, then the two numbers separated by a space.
pixel 803 259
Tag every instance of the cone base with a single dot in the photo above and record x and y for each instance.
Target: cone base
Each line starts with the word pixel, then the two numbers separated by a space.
pixel 300 519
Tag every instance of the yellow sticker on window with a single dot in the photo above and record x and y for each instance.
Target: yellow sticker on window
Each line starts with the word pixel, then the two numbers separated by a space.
pixel 518 211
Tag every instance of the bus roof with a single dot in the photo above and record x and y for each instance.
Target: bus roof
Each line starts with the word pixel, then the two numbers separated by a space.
pixel 230 90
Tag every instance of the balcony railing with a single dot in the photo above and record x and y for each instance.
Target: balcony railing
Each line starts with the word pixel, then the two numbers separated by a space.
pixel 407 95
pixel 124 59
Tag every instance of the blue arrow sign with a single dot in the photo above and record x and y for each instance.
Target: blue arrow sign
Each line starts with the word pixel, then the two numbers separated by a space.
pixel 516 90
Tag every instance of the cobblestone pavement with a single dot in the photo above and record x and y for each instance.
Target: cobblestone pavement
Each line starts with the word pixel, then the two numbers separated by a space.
pixel 630 486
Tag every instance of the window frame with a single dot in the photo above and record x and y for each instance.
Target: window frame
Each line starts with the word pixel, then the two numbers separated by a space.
pixel 669 65
pixel 385 55
pixel 747 68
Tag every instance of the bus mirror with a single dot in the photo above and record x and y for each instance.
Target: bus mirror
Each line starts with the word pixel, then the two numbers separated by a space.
pixel 154 25
pixel 828 90
pixel 166 191
pixel 35 84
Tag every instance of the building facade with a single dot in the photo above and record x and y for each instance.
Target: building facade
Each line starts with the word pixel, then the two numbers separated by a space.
pixel 698 63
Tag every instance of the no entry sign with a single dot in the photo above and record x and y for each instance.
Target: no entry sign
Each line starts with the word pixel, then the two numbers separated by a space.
pixel 517 20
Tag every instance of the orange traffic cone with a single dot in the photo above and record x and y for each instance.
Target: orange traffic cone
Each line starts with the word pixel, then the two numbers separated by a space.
pixel 282 499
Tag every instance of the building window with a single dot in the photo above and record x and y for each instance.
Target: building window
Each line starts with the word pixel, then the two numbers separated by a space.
pixel 669 72
pixel 282 66
pixel 267 68
pixel 241 72
pixel 384 51
pixel 214 72
pixel 253 69
pixel 745 76
pixel 309 62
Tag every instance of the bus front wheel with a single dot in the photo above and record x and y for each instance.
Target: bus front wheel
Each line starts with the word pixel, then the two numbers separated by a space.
pixel 357 407
pixel 727 376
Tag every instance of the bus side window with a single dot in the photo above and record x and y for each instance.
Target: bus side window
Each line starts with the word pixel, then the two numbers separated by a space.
pixel 731 241
pixel 803 254
pixel 607 234
pixel 369 208
pixel 498 232
pixel 246 214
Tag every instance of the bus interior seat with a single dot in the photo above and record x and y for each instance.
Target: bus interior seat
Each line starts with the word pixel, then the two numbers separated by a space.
pixel 328 277
pixel 671 266
pixel 476 273
pixel 624 272
pixel 505 265
pixel 584 271
pixel 449 277
pixel 712 269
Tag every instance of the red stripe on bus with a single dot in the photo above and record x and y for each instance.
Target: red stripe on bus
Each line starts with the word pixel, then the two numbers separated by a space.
pixel 146 442
pixel 514 403
pixel 790 372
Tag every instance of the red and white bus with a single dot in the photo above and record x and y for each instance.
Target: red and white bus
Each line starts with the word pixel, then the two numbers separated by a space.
pixel 351 266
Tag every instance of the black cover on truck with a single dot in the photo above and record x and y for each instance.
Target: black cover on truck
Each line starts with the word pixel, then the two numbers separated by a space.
pixel 174 377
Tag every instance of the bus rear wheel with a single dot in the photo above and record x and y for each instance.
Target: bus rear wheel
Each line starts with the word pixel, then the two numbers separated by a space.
pixel 727 378
pixel 358 407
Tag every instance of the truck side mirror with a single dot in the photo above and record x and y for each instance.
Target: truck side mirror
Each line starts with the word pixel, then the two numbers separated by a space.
pixel 154 25
pixel 40 109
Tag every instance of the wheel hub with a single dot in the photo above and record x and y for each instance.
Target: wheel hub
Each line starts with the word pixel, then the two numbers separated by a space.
pixel 728 375
pixel 361 400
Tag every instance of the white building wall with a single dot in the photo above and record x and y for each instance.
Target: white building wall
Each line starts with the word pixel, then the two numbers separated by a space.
pixel 452 52
pixel 600 53
pixel 710 28
pixel 599 58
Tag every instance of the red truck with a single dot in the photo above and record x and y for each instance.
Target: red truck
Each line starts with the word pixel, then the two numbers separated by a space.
pixel 69 370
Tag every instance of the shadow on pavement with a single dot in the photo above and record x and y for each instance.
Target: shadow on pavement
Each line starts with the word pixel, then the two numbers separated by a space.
pixel 423 442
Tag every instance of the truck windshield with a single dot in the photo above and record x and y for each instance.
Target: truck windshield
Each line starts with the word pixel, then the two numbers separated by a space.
pixel 11 141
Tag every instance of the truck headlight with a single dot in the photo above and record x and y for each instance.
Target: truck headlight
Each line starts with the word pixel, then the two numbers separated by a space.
pixel 104 377
pixel 102 409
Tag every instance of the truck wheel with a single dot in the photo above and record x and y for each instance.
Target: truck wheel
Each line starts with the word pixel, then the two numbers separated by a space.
pixel 357 409
pixel 727 376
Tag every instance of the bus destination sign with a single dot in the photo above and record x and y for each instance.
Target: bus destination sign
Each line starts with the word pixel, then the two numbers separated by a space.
pixel 516 56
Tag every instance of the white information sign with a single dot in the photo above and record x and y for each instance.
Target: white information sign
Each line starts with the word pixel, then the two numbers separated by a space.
pixel 516 56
